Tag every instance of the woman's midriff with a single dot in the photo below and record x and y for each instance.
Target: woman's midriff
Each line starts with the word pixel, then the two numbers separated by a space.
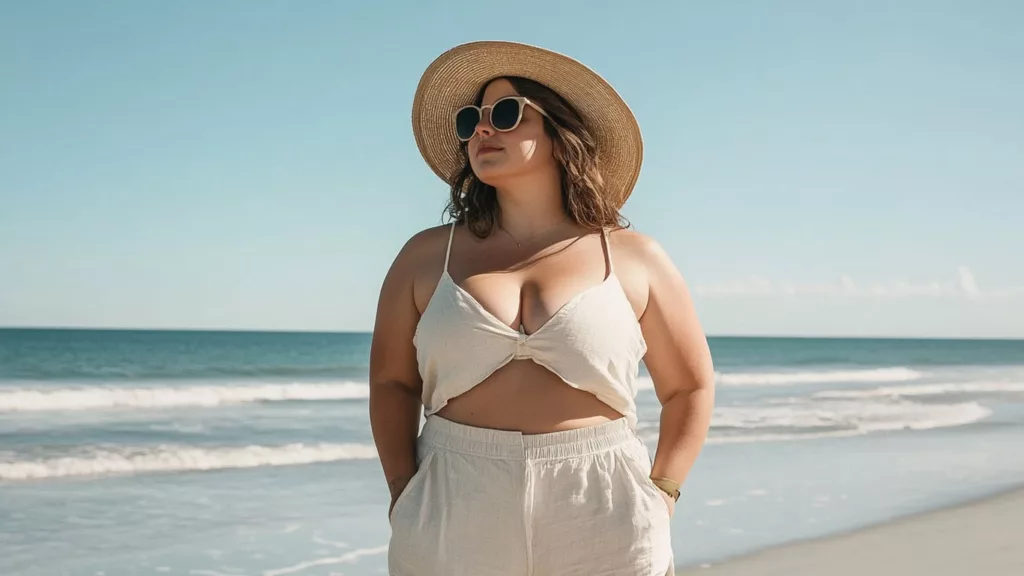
pixel 526 397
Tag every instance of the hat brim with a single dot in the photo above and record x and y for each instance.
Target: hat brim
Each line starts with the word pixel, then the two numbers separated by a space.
pixel 455 77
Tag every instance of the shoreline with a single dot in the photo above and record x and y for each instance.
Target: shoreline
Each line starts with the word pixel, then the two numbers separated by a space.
pixel 368 331
pixel 978 536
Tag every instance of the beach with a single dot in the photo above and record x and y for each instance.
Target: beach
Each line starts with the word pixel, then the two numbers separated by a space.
pixel 980 537
pixel 249 454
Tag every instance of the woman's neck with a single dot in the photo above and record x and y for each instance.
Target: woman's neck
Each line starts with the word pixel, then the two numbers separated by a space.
pixel 531 209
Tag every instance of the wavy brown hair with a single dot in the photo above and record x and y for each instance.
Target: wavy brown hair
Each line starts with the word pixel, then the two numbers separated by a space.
pixel 475 203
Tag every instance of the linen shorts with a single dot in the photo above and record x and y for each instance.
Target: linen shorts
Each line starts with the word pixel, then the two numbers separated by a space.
pixel 486 502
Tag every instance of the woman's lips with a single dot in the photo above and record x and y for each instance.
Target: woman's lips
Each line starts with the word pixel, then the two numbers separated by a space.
pixel 486 149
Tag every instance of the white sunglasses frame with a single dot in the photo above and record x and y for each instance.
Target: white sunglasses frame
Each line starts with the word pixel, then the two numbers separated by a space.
pixel 523 102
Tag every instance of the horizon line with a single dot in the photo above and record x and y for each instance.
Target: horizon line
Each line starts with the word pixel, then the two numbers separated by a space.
pixel 332 331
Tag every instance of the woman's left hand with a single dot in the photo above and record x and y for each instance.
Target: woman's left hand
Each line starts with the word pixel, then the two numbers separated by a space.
pixel 670 502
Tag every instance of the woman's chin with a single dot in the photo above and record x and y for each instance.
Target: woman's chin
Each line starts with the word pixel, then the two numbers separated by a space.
pixel 490 174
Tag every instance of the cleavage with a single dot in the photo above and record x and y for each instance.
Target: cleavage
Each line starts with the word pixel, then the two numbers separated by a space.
pixel 526 307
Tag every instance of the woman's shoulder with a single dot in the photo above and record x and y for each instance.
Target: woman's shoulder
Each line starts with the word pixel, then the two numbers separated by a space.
pixel 425 243
pixel 421 262
pixel 422 255
pixel 638 248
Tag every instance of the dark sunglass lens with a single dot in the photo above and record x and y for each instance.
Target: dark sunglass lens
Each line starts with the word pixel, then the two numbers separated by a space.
pixel 505 114
pixel 465 122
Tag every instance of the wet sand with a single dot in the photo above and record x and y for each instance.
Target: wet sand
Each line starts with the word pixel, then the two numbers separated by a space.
pixel 984 537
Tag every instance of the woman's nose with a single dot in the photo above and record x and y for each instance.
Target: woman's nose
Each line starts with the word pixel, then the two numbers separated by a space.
pixel 483 127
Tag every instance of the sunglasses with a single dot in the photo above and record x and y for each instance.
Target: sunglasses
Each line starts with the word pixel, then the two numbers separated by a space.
pixel 506 114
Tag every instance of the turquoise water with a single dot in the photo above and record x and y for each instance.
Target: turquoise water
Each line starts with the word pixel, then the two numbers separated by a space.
pixel 230 453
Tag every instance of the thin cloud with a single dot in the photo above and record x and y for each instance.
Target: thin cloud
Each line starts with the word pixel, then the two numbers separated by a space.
pixel 967 283
pixel 964 286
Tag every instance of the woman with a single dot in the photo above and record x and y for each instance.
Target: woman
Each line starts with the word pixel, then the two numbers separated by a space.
pixel 519 328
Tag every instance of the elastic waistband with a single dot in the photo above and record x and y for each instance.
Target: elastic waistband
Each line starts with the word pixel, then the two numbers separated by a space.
pixel 448 435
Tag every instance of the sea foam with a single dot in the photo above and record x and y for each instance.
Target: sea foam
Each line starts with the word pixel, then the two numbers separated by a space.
pixel 126 460
pixel 111 397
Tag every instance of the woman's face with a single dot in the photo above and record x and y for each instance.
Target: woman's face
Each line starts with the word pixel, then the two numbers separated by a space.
pixel 496 156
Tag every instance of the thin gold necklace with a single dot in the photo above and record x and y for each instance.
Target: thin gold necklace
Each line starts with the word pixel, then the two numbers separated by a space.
pixel 518 244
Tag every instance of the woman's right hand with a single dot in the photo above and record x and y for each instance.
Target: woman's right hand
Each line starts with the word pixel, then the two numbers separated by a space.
pixel 396 486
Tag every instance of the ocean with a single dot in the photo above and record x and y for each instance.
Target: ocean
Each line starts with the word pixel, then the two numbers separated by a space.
pixel 249 453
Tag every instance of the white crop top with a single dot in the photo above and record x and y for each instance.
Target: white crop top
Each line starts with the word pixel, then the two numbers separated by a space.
pixel 593 343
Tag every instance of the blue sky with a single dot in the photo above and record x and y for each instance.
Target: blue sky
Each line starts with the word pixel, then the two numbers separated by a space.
pixel 812 167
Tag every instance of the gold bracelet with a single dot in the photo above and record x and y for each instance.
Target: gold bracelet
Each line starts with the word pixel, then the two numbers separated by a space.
pixel 668 486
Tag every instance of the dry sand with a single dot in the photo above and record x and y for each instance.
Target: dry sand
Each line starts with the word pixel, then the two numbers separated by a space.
pixel 983 538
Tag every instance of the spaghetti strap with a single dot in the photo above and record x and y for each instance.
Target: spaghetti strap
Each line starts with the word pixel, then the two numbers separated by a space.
pixel 608 251
pixel 448 252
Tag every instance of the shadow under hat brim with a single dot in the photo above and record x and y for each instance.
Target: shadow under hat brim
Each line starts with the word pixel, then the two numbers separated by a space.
pixel 455 77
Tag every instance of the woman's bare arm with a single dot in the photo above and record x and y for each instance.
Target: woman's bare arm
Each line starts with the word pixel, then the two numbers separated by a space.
pixel 679 361
pixel 395 383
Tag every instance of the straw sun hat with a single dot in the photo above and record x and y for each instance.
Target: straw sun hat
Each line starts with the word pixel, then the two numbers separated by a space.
pixel 455 77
